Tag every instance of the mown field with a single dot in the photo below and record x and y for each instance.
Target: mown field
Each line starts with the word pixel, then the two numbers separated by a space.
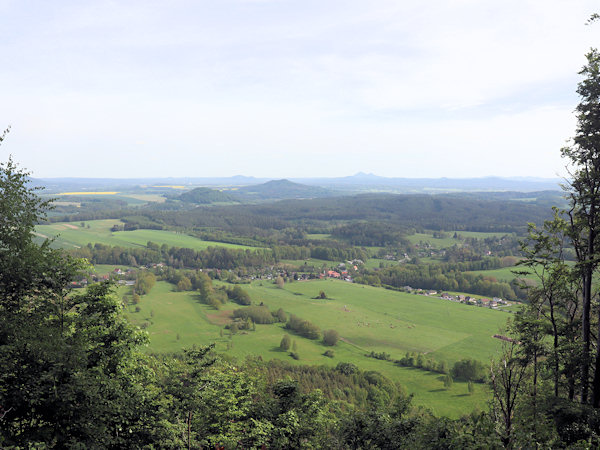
pixel 503 274
pixel 73 235
pixel 449 240
pixel 367 318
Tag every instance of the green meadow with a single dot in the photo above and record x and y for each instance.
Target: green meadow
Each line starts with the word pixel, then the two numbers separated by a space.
pixel 503 274
pixel 449 240
pixel 73 235
pixel 367 319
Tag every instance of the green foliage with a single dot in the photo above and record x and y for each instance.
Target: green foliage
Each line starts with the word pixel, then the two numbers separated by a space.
pixel 285 343
pixel 330 337
pixel 184 284
pixel 303 327
pixel 238 295
pixel 144 282
pixel 259 314
pixel 281 316
pixel 448 381
pixel 469 370
pixel 279 282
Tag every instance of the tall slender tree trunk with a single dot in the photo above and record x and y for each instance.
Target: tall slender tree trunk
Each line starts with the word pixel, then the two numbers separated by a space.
pixel 596 382
pixel 585 332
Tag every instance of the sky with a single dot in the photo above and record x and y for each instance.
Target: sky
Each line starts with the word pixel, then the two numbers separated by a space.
pixel 284 89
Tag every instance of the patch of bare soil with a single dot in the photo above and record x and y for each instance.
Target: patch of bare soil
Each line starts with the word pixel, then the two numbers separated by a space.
pixel 220 317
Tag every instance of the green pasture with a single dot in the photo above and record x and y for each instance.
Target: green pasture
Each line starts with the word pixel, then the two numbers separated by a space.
pixel 367 318
pixel 72 235
pixel 503 274
pixel 314 262
pixel 374 263
pixel 449 241
pixel 318 236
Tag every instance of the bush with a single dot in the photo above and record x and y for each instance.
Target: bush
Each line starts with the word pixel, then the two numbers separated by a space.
pixel 329 353
pixel 346 368
pixel 303 327
pixel 448 381
pixel 238 295
pixel 469 370
pixel 258 314
pixel 279 281
pixel 295 355
pixel 280 315
pixel 330 337
pixel 285 343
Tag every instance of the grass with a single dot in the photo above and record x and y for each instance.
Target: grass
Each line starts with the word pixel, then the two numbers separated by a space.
pixel 72 235
pixel 318 236
pixel 503 274
pixel 449 241
pixel 374 263
pixel 367 318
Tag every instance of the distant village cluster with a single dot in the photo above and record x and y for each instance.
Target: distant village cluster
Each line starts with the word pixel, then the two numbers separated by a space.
pixel 493 303
pixel 343 271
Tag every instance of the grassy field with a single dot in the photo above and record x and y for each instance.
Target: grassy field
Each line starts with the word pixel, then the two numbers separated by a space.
pixel 449 241
pixel 72 235
pixel 376 263
pixel 503 274
pixel 318 236
pixel 367 318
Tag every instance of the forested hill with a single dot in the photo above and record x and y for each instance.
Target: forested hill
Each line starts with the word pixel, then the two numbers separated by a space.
pixel 435 212
pixel 281 189
pixel 204 196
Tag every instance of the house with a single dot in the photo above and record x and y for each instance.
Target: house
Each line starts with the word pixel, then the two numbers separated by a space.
pixel 333 274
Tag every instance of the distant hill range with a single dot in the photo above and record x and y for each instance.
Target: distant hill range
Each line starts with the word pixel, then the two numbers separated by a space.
pixel 263 188
pixel 367 181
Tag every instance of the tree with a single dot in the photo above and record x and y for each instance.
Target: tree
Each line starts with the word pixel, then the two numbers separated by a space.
pixel 448 381
pixel 70 373
pixel 285 343
pixel 279 281
pixel 583 194
pixel 330 337
pixel 506 378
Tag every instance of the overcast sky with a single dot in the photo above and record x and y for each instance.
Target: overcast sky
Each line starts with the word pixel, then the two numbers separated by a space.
pixel 276 88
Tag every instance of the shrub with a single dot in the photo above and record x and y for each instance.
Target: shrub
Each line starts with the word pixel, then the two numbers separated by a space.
pixel 285 343
pixel 329 353
pixel 259 314
pixel 448 381
pixel 330 337
pixel 279 281
pixel 469 370
pixel 238 295
pixel 280 314
pixel 303 327
pixel 346 368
